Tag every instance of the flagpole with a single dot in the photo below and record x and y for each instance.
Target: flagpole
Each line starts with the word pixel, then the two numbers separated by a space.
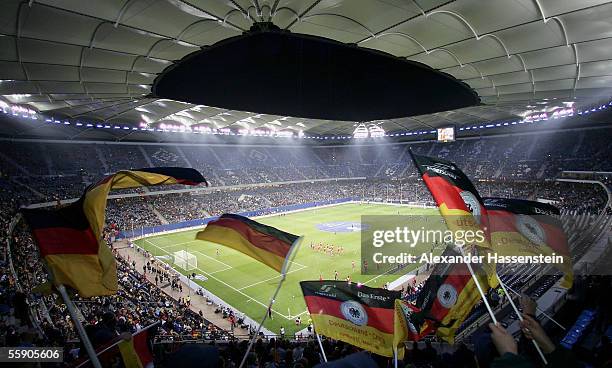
pixel 84 339
pixel 539 310
pixel 520 317
pixel 482 294
pixel 395 356
pixel 268 311
pixel 286 265
pixel 321 346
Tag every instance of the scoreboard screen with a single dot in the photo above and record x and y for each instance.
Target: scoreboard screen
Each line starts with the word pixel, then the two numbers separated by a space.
pixel 446 134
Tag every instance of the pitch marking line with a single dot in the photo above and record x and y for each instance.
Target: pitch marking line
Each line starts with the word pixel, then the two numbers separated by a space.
pixel 227 267
pixel 271 278
pixel 194 241
pixel 224 283
pixel 214 259
pixel 299 264
pixel 217 271
pixel 382 274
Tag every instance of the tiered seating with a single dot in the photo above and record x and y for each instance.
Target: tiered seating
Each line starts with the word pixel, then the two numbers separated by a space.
pixel 529 158
pixel 28 155
pixel 164 156
pixel 119 157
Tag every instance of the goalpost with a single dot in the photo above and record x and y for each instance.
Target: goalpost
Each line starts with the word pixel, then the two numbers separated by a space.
pixel 185 260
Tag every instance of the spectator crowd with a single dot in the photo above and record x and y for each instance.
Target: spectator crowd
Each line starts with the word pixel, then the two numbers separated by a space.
pixel 498 166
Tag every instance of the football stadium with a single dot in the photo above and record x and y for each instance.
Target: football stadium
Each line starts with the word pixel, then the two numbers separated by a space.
pixel 248 285
pixel 305 183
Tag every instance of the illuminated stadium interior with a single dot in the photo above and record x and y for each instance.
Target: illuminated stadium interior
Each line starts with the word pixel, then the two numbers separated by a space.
pixel 204 183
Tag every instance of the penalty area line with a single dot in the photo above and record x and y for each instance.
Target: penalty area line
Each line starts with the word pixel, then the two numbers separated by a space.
pixel 271 278
pixel 376 277
pixel 227 267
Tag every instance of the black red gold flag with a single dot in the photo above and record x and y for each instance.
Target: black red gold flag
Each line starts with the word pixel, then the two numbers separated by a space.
pixel 70 238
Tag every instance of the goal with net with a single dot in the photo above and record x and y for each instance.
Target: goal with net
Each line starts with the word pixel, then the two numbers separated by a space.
pixel 185 260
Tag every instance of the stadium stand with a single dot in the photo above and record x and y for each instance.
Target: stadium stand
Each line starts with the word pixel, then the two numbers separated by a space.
pixel 257 165
pixel 310 114
pixel 129 309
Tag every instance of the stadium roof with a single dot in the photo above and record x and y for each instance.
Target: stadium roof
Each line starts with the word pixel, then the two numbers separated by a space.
pixel 97 60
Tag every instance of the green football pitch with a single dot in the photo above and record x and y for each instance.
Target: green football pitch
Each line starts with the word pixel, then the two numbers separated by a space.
pixel 247 285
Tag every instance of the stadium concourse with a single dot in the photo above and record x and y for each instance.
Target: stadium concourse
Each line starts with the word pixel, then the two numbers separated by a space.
pixel 246 147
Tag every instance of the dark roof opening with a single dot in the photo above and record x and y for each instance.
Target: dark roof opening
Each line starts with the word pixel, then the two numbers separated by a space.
pixel 270 71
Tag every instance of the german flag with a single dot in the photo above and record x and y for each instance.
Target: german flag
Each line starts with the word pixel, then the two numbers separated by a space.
pixel 358 315
pixel 521 227
pixel 458 201
pixel 446 299
pixel 70 238
pixel 264 243
pixel 135 353
pixel 405 327
pixel 456 197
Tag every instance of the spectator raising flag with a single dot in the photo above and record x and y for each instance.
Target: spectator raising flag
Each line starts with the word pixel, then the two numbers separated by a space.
pixel 358 315
pixel 459 203
pixel 405 328
pixel 446 299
